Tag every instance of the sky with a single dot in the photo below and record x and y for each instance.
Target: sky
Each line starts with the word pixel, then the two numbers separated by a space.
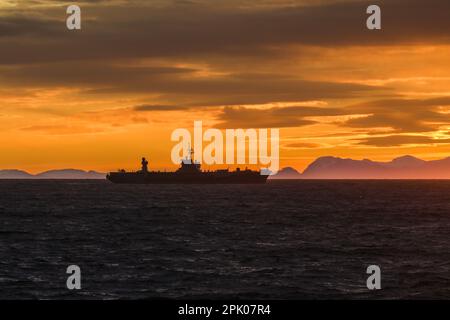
pixel 102 97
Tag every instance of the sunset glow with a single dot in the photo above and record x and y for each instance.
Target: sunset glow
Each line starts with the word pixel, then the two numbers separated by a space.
pixel 102 97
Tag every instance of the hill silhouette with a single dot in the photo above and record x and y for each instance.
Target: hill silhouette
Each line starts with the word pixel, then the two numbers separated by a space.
pixel 406 167
pixel 14 174
pixel 287 173
pixel 52 174
pixel 70 174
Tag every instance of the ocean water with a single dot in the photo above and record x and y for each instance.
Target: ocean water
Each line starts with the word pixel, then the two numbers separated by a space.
pixel 282 240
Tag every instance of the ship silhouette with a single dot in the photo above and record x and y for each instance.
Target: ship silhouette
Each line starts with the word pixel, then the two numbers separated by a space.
pixel 189 173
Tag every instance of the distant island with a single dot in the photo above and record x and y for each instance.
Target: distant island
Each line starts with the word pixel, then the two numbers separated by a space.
pixel 406 167
pixel 52 174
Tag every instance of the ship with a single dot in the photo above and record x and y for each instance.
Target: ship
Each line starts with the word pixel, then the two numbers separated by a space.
pixel 189 173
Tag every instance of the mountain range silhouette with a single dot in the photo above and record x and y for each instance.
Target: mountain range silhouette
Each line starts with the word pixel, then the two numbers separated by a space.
pixel 406 167
pixel 52 174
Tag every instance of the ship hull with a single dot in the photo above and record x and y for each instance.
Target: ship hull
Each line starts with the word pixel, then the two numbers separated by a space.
pixel 250 177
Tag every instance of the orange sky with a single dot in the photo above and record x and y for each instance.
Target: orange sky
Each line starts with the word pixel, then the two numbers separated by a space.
pixel 102 97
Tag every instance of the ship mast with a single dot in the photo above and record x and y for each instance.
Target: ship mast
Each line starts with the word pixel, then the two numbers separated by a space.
pixel 191 154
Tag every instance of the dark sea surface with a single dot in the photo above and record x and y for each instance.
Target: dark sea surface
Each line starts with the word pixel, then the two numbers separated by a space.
pixel 282 240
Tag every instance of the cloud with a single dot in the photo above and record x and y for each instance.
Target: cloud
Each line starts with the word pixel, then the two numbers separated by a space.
pixel 180 85
pixel 402 103
pixel 401 115
pixel 63 129
pixel 279 117
pixel 88 74
pixel 194 29
pixel 301 145
pixel 396 115
pixel 158 108
pixel 399 140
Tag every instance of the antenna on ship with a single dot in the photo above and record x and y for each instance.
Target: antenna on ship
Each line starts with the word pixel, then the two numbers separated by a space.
pixel 190 157
pixel 191 152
